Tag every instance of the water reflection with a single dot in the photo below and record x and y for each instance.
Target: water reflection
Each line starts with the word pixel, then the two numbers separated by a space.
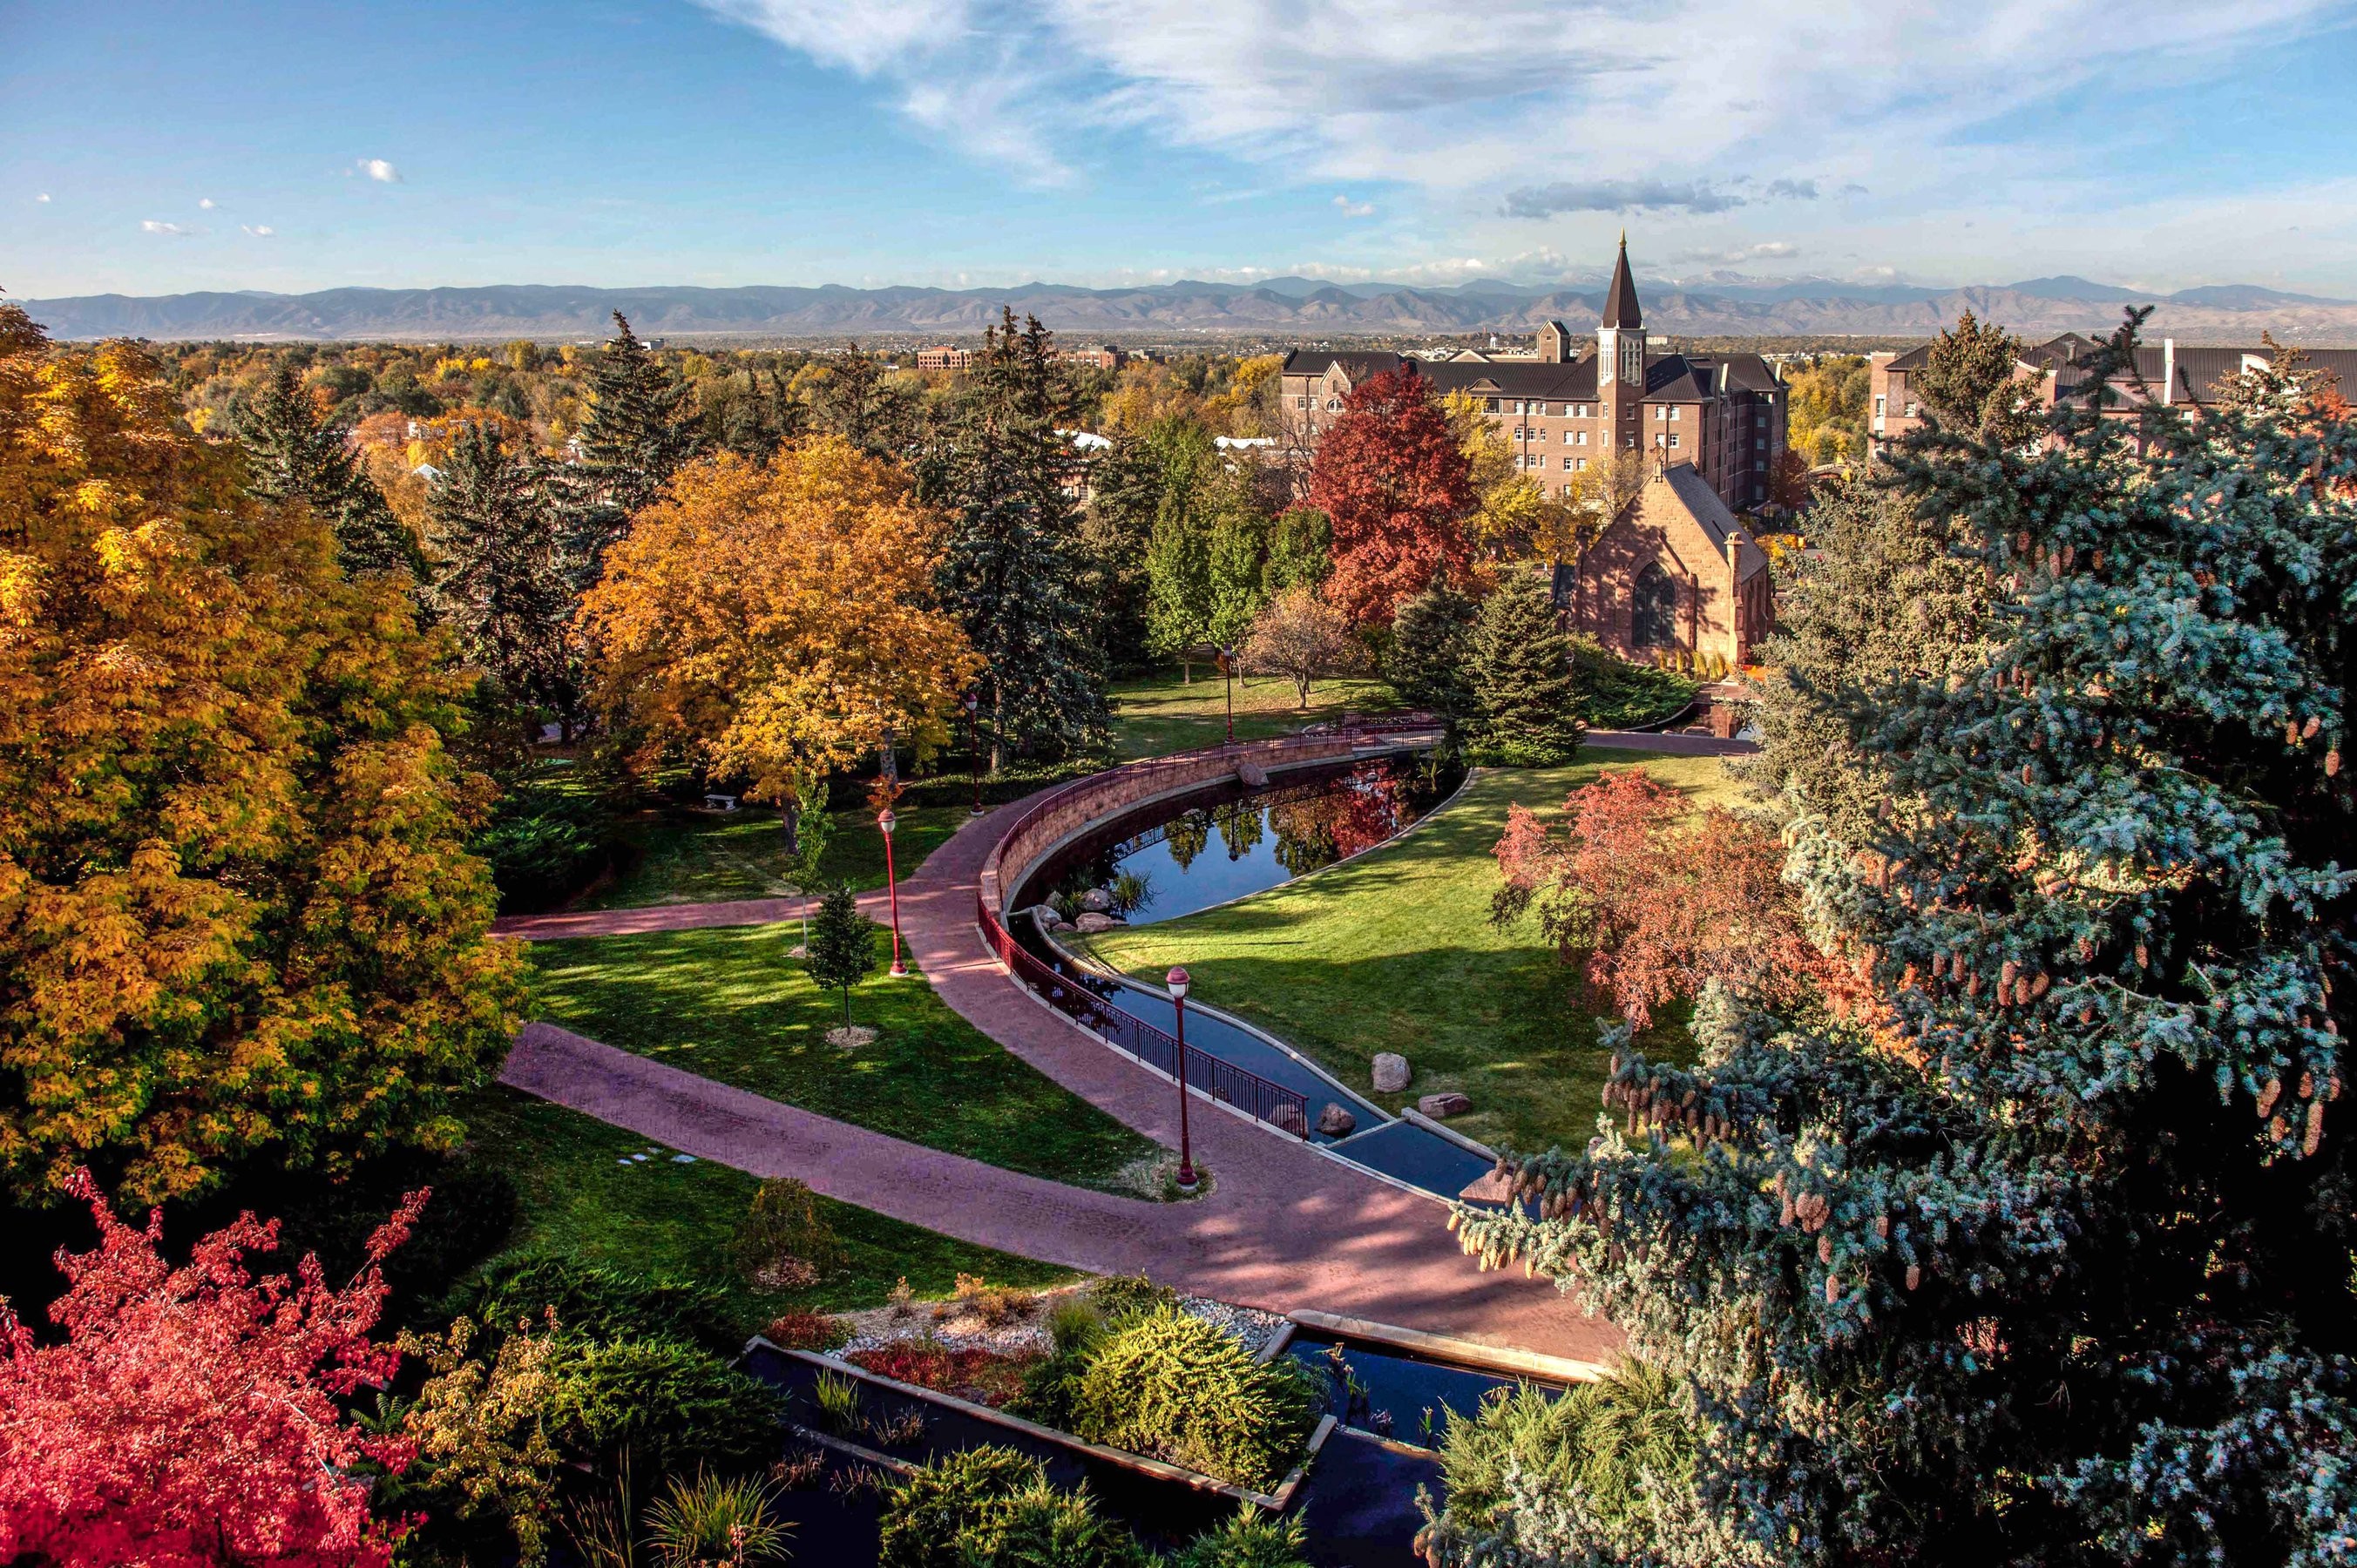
pixel 1212 853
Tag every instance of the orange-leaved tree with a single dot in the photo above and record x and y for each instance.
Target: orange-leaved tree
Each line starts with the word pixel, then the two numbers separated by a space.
pixel 778 618
pixel 238 920
pixel 1395 480
pixel 1658 900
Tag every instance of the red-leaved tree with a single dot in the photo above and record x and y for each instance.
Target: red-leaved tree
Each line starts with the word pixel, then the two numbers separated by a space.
pixel 1398 487
pixel 1656 899
pixel 190 1418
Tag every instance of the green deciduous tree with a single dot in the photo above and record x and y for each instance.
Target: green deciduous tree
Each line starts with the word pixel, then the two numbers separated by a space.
pixel 841 946
pixel 2050 1260
pixel 1013 568
pixel 1525 699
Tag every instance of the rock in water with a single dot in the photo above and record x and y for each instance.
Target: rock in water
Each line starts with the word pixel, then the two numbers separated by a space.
pixel 1096 900
pixel 1337 1122
pixel 1440 1107
pixel 1251 776
pixel 1391 1073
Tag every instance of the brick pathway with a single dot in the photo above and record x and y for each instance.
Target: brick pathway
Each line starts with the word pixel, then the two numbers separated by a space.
pixel 1285 1228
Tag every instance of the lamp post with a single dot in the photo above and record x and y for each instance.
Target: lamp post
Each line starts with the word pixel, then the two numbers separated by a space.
pixel 1178 982
pixel 885 820
pixel 974 744
pixel 1228 664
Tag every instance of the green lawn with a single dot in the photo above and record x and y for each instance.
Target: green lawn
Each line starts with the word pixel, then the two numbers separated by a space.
pixel 728 1003
pixel 1160 713
pixel 1394 951
pixel 697 858
pixel 677 1219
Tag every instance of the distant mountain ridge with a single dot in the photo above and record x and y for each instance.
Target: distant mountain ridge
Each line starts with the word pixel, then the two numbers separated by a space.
pixel 1721 304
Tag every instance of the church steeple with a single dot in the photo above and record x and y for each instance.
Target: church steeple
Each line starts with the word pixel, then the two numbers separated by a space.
pixel 1620 299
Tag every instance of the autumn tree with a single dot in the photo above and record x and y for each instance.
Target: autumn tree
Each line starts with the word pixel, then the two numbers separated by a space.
pixel 237 918
pixel 294 455
pixel 1656 899
pixel 1394 481
pixel 1302 637
pixel 2056 1266
pixel 190 1418
pixel 1012 564
pixel 503 584
pixel 778 618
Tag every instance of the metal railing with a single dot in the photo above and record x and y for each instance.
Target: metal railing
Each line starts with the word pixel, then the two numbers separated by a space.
pixel 1078 998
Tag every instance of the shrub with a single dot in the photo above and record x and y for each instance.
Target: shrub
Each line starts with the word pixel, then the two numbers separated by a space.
pixel 837 1397
pixel 997 1305
pixel 1170 1385
pixel 540 861
pixel 1615 694
pixel 664 1400
pixel 992 1508
pixel 926 1514
pixel 1077 1329
pixel 717 1522
pixel 804 1330
pixel 594 1303
pixel 1250 1539
pixel 1117 1295
pixel 785 1241
pixel 1617 1443
pixel 986 1377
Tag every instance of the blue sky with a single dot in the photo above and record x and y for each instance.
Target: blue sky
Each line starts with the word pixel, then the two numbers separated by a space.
pixel 149 147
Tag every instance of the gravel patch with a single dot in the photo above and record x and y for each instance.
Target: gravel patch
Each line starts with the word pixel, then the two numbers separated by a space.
pixel 961 1328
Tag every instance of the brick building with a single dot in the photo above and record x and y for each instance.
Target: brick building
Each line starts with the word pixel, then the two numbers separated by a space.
pixel 1675 572
pixel 1722 413
pixel 2170 374
pixel 944 356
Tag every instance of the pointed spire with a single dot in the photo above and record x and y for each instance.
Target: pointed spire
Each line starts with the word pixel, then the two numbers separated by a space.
pixel 1620 299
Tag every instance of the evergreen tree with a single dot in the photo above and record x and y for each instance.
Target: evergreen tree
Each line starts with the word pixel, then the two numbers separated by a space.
pixel 636 436
pixel 503 587
pixel 1013 568
pixel 853 401
pixel 842 950
pixel 1964 370
pixel 2047 1258
pixel 291 453
pixel 1430 661
pixel 1126 497
pixel 1525 703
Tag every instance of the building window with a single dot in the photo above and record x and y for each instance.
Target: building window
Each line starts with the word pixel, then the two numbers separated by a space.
pixel 1579 465
pixel 1911 411
pixel 1301 403
pixel 1333 405
pixel 1675 413
pixel 1881 403
pixel 1673 437
pixel 1653 609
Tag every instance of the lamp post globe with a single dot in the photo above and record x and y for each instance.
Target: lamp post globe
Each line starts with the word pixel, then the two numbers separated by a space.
pixel 1179 981
pixel 886 822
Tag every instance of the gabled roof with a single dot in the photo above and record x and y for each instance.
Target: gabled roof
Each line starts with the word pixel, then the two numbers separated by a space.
pixel 1693 492
pixel 1620 298
pixel 1574 383
pixel 1357 365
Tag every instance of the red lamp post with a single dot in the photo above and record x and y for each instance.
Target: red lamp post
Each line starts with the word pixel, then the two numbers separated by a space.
pixel 974 744
pixel 1178 982
pixel 885 820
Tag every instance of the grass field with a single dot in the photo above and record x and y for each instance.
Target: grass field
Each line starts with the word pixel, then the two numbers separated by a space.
pixel 1394 951
pixel 677 1221
pixel 729 1004
pixel 1161 713
pixel 698 858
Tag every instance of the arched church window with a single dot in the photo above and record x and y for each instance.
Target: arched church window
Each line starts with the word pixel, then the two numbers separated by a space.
pixel 1653 609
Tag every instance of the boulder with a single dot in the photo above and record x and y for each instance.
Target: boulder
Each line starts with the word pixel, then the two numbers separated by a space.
pixel 1336 1122
pixel 1440 1107
pixel 1096 900
pixel 1286 1118
pixel 1090 924
pixel 1251 776
pixel 1391 1073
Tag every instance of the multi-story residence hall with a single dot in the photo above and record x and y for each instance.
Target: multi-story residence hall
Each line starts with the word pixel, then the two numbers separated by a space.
pixel 1562 410
pixel 2166 374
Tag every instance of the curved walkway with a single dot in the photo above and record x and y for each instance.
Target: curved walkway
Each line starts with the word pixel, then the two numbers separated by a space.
pixel 1285 1228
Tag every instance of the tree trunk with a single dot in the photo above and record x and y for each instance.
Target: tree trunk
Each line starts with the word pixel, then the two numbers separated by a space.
pixel 790 817
pixel 998 734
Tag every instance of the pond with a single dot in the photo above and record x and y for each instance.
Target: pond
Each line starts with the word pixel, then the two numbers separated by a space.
pixel 1163 862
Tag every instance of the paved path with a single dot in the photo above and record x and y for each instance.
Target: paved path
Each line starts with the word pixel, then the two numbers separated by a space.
pixel 1286 1228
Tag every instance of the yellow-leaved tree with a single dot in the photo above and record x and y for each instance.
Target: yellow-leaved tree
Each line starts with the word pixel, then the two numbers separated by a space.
pixel 778 618
pixel 238 921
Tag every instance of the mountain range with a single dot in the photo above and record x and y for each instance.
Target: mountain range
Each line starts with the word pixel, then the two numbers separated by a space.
pixel 1717 304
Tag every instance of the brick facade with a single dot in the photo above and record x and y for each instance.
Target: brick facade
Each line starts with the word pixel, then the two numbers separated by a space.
pixel 1675 572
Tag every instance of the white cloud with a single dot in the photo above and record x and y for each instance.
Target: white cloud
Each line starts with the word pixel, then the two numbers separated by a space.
pixel 259 231
pixel 1350 209
pixel 378 169
pixel 43 196
pixel 158 226
pixel 206 202
pixel 1725 98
